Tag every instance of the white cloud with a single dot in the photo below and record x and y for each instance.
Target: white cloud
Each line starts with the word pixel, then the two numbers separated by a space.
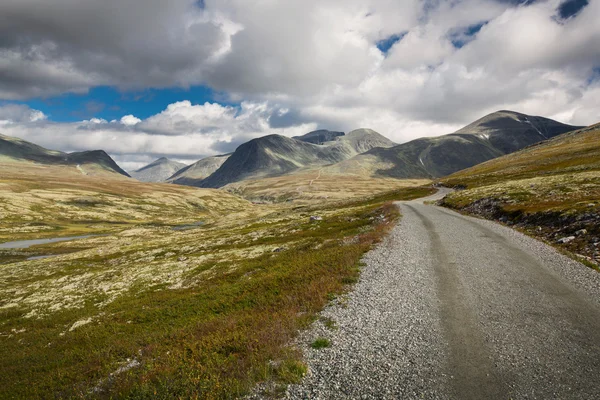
pixel 130 120
pixel 296 65
pixel 182 131
pixel 18 113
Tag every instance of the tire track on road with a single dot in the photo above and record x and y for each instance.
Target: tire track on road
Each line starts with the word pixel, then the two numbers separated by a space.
pixel 470 364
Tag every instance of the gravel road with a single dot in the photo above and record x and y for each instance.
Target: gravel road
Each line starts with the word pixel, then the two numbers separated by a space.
pixel 453 307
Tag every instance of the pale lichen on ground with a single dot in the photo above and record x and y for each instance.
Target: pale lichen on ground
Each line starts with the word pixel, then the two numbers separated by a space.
pixel 103 268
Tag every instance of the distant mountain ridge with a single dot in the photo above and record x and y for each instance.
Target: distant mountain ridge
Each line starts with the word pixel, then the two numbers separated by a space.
pixel 361 151
pixel 193 174
pixel 22 150
pixel 492 136
pixel 158 170
pixel 275 155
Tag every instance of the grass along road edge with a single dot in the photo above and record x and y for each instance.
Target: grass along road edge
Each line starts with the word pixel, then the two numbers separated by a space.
pixel 217 336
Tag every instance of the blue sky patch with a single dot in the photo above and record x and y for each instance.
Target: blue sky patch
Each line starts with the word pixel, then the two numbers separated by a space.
pixel 462 36
pixel 109 103
pixel 386 44
pixel 595 76
pixel 570 8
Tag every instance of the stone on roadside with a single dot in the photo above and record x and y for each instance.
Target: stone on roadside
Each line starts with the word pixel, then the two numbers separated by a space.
pixel 566 239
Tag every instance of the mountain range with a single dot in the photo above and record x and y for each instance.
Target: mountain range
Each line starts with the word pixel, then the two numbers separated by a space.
pixel 492 136
pixel 361 152
pixel 275 155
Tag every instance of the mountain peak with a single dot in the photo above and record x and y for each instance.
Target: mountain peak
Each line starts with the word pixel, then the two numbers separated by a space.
pixel 275 155
pixel 491 136
pixel 320 136
pixel 193 174
pixel 158 170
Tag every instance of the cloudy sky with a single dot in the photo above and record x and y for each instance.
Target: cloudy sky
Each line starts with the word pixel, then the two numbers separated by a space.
pixel 190 78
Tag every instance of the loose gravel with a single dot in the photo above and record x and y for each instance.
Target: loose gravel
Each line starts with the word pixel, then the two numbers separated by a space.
pixel 455 307
pixel 388 341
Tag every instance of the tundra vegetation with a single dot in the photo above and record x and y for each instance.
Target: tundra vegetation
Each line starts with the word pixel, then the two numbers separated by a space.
pixel 550 190
pixel 149 311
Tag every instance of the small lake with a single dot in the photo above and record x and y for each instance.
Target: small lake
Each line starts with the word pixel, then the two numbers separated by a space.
pixel 188 226
pixel 41 257
pixel 23 244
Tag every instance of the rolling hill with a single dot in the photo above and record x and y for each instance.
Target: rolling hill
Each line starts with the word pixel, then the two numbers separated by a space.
pixel 93 162
pixel 158 170
pixel 492 136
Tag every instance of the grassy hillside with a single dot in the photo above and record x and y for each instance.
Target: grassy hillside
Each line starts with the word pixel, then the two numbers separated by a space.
pixel 149 312
pixel 46 201
pixel 95 162
pixel 316 185
pixel 551 190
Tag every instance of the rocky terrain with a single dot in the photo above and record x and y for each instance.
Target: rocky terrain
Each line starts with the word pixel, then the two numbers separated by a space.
pixel 158 170
pixel 494 135
pixel 93 162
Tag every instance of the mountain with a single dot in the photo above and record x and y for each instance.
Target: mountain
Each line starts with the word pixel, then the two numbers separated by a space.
pixel 575 152
pixel 319 137
pixel 361 140
pixel 492 136
pixel 193 174
pixel 269 156
pixel 158 170
pixel 276 155
pixel 15 149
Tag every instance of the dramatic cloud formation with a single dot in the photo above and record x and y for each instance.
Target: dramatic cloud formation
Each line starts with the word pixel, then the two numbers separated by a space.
pixel 404 68
pixel 183 131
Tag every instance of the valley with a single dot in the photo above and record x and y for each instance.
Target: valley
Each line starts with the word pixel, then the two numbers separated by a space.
pixel 146 309
pixel 40 201
pixel 299 200
pixel 211 279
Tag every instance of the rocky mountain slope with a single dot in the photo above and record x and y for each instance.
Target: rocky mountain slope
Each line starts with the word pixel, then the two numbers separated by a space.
pixel 320 136
pixel 494 135
pixel 276 155
pixel 196 172
pixel 158 171
pixel 92 162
